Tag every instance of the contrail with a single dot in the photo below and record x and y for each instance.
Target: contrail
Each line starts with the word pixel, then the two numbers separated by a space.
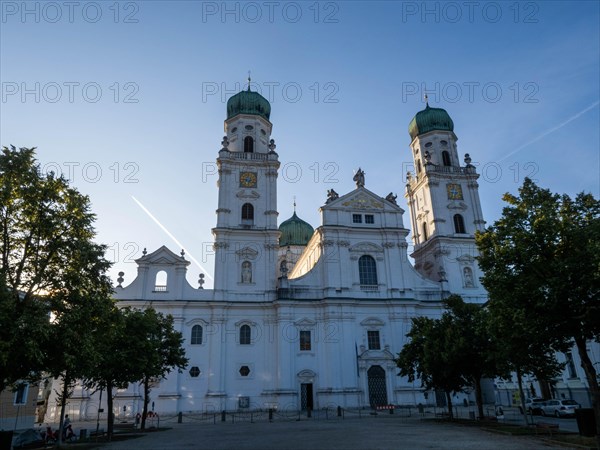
pixel 171 236
pixel 552 130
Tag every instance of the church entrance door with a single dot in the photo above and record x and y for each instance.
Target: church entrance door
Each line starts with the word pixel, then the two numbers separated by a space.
pixel 377 386
pixel 306 396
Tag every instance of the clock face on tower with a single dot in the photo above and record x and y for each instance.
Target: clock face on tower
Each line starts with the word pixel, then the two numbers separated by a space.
pixel 454 191
pixel 248 179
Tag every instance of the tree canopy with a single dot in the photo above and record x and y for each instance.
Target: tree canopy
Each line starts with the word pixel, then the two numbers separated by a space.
pixel 541 264
pixel 451 353
pixel 49 262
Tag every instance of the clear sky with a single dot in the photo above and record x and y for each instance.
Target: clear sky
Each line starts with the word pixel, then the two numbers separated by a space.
pixel 127 99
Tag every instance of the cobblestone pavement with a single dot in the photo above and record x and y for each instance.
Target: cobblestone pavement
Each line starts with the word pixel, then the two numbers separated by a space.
pixel 367 433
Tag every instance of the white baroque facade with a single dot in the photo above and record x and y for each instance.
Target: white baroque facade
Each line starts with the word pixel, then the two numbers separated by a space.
pixel 322 329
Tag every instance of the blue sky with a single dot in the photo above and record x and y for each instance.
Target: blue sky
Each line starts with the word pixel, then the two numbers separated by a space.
pixel 128 99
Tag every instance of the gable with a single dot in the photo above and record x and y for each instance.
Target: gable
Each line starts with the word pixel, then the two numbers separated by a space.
pixel 362 199
pixel 162 257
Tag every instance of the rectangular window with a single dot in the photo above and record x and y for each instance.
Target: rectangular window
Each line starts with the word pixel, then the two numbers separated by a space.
pixel 571 365
pixel 304 340
pixel 369 218
pixel 356 218
pixel 373 338
pixel 21 394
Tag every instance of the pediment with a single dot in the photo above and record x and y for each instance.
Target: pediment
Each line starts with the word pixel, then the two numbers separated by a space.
pixel 372 322
pixel 305 322
pixel 361 199
pixel 239 323
pixel 366 247
pixel 247 253
pixel 466 259
pixel 162 257
pixel 196 321
pixel 247 193
pixel 456 205
pixel 306 373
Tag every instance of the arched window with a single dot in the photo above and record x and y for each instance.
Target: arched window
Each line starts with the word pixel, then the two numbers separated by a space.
pixel 196 334
pixel 245 334
pixel 425 234
pixel 418 166
pixel 160 282
pixel 459 224
pixel 367 271
pixel 247 214
pixel 248 145
pixel 446 158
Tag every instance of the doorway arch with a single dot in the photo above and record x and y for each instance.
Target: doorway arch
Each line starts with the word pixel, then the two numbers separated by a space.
pixel 377 386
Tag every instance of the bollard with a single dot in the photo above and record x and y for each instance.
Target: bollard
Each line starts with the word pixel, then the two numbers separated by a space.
pixel 392 410
pixel 223 416
pixel 180 417
pixel 339 411
pixel 270 414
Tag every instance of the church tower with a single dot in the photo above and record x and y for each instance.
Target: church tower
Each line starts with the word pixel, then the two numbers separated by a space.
pixel 246 235
pixel 444 205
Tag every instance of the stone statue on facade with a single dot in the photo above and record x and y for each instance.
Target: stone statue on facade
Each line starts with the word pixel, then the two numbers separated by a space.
pixel 246 272
pixel 392 198
pixel 332 195
pixel 359 178
pixel 468 274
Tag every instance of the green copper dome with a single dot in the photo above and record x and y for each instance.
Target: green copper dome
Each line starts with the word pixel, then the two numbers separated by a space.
pixel 428 120
pixel 248 102
pixel 295 231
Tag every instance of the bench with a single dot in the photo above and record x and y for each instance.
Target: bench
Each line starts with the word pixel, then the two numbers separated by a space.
pixel 95 433
pixel 546 426
pixel 124 426
pixel 489 419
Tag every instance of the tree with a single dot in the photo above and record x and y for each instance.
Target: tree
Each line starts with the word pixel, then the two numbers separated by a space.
pixel 546 249
pixel 155 349
pixel 451 353
pixel 524 352
pixel 430 357
pixel 113 366
pixel 468 333
pixel 56 287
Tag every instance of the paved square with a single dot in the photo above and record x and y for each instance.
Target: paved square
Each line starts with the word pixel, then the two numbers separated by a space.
pixel 382 432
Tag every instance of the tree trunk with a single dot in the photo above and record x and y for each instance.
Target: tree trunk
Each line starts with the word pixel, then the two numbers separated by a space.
pixel 522 395
pixel 590 373
pixel 109 407
pixel 146 383
pixel 63 404
pixel 449 401
pixel 478 397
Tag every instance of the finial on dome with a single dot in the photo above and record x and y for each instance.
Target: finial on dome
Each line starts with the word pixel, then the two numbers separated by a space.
pixel 426 100
pixel 249 80
pixel 294 204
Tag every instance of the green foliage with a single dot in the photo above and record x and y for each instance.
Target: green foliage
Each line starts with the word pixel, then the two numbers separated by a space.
pixel 50 269
pixel 155 348
pixel 451 353
pixel 430 357
pixel 54 289
pixel 541 261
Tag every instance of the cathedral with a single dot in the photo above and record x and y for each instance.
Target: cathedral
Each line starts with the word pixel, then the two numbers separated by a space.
pixel 306 318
